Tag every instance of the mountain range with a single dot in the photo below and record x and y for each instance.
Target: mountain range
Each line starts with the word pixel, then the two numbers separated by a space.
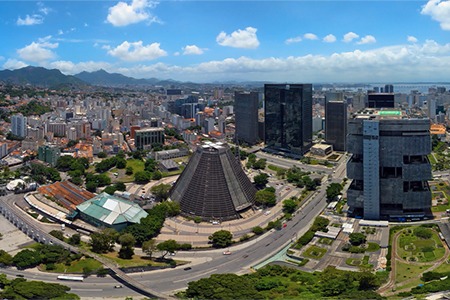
pixel 39 76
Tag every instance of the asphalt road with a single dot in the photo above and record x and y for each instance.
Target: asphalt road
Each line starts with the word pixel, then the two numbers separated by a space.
pixel 288 163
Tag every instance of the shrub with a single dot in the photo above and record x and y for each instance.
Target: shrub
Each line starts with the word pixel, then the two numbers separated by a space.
pixel 306 238
pixel 257 230
pixel 356 249
pixel 357 238
pixel 423 233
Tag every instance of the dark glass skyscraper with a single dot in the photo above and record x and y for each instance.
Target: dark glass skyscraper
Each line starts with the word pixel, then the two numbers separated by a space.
pixel 246 116
pixel 288 118
pixel 380 100
pixel 336 120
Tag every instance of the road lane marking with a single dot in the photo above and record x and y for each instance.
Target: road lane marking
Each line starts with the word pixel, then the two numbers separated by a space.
pixel 191 277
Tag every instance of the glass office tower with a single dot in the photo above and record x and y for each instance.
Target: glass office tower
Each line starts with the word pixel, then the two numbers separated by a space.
pixel 288 118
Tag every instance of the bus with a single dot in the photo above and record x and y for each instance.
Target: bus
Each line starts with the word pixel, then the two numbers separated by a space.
pixel 71 278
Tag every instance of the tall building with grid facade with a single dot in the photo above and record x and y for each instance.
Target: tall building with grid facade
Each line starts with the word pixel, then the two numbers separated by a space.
pixel 246 116
pixel 144 138
pixel 389 167
pixel 288 118
pixel 336 120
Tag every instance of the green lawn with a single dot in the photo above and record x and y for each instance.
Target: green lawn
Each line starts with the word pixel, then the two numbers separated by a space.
pixel 372 247
pixel 326 241
pixel 314 252
pixel 406 271
pixel 136 164
pixel 276 168
pixel 444 267
pixel 432 160
pixel 76 266
pixel 422 250
pixel 363 262
pixel 137 261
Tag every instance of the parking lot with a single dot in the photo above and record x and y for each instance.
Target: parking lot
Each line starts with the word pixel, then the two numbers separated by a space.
pixel 12 238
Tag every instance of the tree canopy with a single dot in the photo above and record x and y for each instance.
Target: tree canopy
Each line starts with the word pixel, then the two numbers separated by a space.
pixel 261 180
pixel 266 197
pixel 161 191
pixel 280 282
pixel 168 246
pixel 221 238
pixel 333 190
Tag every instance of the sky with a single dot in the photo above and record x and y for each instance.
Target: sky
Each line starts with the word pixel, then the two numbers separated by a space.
pixel 315 41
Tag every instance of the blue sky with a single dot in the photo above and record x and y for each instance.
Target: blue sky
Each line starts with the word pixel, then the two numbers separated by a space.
pixel 203 41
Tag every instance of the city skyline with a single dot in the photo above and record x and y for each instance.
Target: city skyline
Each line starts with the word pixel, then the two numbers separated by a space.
pixel 304 41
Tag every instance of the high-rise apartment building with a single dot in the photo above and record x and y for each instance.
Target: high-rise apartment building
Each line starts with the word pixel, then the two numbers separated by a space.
pixel 246 116
pixel 336 120
pixel 389 167
pixel 288 118
pixel 49 154
pixel 388 88
pixel 19 125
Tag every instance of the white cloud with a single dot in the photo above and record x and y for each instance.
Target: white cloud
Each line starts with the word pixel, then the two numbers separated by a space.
pixel 310 36
pixel 368 39
pixel 411 39
pixel 329 39
pixel 293 40
pixel 137 51
pixel 395 63
pixel 192 50
pixel 13 64
pixel 30 20
pixel 439 11
pixel 123 14
pixel 38 52
pixel 43 9
pixel 60 32
pixel 239 39
pixel 350 36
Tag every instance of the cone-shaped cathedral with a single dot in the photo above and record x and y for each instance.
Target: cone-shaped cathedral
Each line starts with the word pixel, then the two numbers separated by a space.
pixel 213 185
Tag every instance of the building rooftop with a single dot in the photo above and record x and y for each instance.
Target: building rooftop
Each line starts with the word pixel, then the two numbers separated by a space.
pixel 150 129
pixel 388 113
pixel 68 194
pixel 437 129
pixel 112 210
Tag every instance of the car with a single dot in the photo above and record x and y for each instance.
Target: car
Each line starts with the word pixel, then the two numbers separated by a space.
pixel 118 286
pixel 187 268
pixel 19 275
pixel 226 252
